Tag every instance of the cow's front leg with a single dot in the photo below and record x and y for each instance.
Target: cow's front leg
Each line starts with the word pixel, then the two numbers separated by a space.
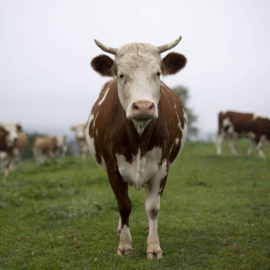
pixel 152 206
pixel 120 189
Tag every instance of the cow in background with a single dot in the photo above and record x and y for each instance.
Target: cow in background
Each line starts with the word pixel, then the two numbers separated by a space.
pixel 61 146
pixel 236 125
pixel 136 129
pixel 19 147
pixel 49 147
pixel 80 139
pixel 8 140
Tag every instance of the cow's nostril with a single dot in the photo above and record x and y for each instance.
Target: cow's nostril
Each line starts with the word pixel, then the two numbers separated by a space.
pixel 135 107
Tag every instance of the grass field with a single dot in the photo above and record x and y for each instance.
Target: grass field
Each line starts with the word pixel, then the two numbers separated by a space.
pixel 215 214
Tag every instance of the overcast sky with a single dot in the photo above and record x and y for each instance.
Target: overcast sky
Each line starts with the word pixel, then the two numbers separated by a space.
pixel 47 84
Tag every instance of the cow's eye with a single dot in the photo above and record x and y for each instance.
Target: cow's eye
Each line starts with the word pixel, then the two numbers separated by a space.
pixel 158 73
pixel 121 76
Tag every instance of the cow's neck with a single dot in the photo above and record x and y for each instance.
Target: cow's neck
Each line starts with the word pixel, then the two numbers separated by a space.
pixel 140 140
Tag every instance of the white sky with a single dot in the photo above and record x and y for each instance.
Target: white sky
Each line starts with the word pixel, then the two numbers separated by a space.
pixel 47 84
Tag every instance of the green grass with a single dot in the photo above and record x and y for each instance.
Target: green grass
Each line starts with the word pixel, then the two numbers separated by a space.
pixel 215 214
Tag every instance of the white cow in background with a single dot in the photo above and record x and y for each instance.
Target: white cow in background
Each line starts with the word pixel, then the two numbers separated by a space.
pixel 80 139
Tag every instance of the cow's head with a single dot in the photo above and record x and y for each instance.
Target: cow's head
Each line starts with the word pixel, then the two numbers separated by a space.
pixel 12 135
pixel 79 131
pixel 138 67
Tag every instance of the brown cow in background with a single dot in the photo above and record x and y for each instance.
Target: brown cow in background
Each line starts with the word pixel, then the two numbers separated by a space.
pixel 19 147
pixel 49 147
pixel 234 125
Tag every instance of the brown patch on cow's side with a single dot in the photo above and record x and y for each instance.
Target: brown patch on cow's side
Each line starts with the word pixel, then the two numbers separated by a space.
pixel 103 64
pixel 173 62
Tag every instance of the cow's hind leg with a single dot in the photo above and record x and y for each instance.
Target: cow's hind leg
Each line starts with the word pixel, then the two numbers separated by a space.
pixel 152 206
pixel 252 144
pixel 259 141
pixel 231 146
pixel 120 189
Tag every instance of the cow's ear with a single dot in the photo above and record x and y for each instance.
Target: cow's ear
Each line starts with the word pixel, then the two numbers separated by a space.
pixel 172 63
pixel 103 65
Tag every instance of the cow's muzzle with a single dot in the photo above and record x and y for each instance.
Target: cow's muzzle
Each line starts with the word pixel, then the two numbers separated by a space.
pixel 143 110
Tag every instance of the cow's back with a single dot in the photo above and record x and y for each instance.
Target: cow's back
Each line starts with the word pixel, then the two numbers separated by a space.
pixel 22 141
pixel 45 143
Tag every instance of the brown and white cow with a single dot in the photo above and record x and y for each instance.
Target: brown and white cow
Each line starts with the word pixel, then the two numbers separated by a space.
pixel 136 129
pixel 8 140
pixel 19 147
pixel 61 146
pixel 80 139
pixel 233 125
pixel 49 147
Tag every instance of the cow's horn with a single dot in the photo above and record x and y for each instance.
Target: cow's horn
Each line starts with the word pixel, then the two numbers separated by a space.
pixel 169 46
pixel 106 48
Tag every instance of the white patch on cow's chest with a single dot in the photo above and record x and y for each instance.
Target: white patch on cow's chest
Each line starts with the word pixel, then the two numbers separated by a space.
pixel 141 169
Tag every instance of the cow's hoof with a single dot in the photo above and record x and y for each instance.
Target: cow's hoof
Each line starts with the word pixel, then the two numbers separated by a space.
pixel 122 251
pixel 150 255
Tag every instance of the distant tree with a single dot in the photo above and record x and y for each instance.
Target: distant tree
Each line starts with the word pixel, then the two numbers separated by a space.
pixel 183 93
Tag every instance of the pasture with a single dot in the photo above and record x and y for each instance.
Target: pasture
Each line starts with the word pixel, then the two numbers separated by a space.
pixel 215 214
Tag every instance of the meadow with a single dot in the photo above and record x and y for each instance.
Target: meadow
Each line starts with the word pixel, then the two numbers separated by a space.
pixel 215 214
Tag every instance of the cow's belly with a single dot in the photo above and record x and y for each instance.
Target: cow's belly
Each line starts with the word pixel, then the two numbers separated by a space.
pixel 142 169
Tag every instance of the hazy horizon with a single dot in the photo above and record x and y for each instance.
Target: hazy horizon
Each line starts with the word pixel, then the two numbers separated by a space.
pixel 47 84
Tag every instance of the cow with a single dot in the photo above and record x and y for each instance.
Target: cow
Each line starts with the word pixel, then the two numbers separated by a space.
pixel 61 146
pixel 19 147
pixel 233 125
pixel 136 129
pixel 80 139
pixel 8 140
pixel 44 147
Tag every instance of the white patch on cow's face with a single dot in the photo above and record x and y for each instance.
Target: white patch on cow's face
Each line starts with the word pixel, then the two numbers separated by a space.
pixel 141 169
pixel 79 131
pixel 60 140
pixel 12 134
pixel 137 68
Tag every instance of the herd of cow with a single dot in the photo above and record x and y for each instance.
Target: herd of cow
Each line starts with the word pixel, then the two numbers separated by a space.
pixel 13 141
pixel 136 129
